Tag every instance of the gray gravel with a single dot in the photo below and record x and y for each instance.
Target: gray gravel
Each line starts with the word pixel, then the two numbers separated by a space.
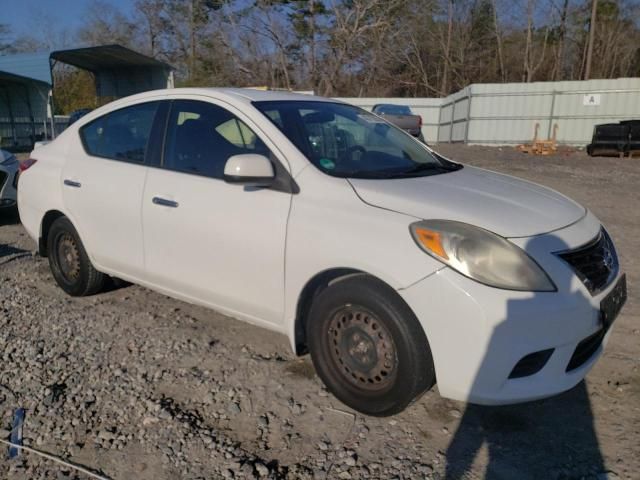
pixel 132 384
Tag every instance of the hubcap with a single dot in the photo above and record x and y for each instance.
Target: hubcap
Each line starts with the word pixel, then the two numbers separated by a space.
pixel 68 257
pixel 362 348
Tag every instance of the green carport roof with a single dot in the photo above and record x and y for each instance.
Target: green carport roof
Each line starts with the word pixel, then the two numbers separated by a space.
pixel 105 57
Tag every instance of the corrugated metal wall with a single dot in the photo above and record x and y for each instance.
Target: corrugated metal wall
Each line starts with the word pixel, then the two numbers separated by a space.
pixel 23 113
pixel 123 82
pixel 505 114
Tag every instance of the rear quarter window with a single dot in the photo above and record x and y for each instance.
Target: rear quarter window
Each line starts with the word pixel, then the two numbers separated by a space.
pixel 122 134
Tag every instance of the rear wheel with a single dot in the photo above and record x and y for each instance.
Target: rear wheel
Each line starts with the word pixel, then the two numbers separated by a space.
pixel 69 262
pixel 368 347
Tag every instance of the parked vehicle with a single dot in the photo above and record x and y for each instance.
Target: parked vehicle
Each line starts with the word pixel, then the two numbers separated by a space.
pixel 9 167
pixel 401 116
pixel 77 115
pixel 615 139
pixel 392 265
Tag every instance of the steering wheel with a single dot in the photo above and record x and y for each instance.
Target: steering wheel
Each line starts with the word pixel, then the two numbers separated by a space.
pixel 348 154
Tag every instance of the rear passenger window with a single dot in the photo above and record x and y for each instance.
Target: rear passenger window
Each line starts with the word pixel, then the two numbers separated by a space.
pixel 120 135
pixel 202 136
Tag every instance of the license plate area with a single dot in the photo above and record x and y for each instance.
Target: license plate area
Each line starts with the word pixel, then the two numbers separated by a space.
pixel 611 305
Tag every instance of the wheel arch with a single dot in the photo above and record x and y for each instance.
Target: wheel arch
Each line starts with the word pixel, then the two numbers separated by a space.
pixel 45 226
pixel 312 289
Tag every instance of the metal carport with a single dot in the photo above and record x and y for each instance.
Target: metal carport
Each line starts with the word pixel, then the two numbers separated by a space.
pixel 23 110
pixel 118 71
pixel 26 81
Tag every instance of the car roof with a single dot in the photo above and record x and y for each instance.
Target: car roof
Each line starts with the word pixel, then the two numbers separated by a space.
pixel 256 95
pixel 243 94
pixel 240 95
pixel 390 105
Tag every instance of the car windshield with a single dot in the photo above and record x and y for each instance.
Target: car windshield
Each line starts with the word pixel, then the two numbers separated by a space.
pixel 392 109
pixel 346 141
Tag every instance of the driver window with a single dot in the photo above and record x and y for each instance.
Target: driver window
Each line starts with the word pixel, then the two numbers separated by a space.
pixel 201 137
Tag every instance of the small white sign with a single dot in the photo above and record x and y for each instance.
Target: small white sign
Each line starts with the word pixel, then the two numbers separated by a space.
pixel 591 100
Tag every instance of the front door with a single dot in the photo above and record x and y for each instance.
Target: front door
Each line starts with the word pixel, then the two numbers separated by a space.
pixel 208 240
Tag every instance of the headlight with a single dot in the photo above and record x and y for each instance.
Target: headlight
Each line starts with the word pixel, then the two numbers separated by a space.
pixel 481 255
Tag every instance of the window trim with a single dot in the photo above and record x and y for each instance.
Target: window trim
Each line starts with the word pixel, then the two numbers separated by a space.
pixel 283 181
pixel 145 160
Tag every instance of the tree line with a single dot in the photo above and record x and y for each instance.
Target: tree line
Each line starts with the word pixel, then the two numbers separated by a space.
pixel 361 47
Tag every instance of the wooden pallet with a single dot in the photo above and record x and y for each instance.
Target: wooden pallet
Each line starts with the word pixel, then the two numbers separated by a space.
pixel 541 147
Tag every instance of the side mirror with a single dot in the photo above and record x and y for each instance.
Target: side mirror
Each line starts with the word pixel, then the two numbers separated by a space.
pixel 249 169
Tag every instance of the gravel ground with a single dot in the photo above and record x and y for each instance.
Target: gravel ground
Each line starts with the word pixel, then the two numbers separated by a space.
pixel 132 384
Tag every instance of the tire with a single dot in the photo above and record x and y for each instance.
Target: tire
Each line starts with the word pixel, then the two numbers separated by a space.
pixel 368 347
pixel 69 262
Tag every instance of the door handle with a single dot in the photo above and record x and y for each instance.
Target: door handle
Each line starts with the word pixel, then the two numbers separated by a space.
pixel 164 202
pixel 71 183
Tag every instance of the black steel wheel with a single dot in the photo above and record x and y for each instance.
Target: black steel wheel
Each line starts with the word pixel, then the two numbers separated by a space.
pixel 368 347
pixel 69 262
pixel 364 348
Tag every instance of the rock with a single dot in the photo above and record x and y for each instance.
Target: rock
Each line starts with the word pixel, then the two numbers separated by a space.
pixel 234 408
pixel 350 461
pixel 106 435
pixel 262 469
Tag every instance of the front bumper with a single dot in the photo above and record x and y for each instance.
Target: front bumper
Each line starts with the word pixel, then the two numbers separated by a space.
pixel 478 334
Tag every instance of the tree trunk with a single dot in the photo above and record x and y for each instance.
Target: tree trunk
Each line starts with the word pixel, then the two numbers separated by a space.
pixel 312 46
pixel 499 42
pixel 526 75
pixel 592 34
pixel 558 70
pixel 447 52
pixel 192 39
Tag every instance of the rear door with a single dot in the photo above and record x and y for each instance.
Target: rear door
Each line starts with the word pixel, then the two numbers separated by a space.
pixel 208 240
pixel 103 180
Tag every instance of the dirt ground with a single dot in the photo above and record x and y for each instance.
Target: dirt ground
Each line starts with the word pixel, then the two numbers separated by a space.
pixel 135 385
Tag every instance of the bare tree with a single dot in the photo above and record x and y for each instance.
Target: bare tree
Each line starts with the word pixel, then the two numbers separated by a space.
pixel 592 33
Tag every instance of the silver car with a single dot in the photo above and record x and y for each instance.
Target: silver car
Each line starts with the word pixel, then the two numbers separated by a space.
pixel 8 179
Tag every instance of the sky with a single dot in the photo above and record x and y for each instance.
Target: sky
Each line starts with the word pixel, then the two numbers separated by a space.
pixel 23 16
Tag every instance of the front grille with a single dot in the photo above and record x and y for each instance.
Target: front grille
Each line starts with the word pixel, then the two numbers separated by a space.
pixel 3 178
pixel 585 350
pixel 596 263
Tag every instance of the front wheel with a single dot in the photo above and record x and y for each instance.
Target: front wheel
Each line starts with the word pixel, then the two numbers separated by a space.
pixel 69 262
pixel 368 347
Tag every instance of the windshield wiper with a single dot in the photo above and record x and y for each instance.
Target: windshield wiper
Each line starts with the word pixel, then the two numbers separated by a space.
pixel 427 167
pixel 399 173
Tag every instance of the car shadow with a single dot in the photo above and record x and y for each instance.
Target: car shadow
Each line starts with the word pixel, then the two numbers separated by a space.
pixel 9 216
pixel 551 439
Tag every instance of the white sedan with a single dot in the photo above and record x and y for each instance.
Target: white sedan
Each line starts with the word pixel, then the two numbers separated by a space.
pixel 390 264
pixel 9 167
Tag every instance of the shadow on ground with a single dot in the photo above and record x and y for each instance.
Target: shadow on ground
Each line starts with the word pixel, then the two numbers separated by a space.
pixel 552 439
pixel 9 217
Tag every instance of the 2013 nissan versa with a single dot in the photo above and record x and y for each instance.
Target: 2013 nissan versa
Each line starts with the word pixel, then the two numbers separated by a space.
pixel 392 265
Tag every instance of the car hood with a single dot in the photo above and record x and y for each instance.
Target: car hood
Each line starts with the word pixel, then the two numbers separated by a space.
pixel 499 203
